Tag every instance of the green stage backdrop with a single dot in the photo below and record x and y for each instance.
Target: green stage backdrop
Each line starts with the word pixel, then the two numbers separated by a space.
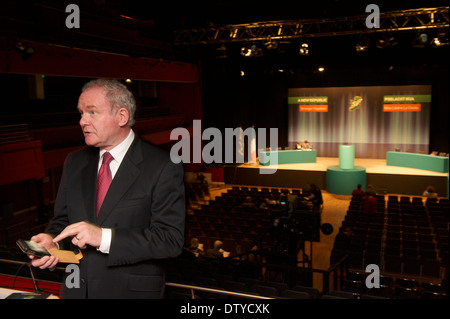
pixel 375 119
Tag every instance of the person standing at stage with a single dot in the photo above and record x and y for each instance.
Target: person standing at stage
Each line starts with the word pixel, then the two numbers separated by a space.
pixel 126 233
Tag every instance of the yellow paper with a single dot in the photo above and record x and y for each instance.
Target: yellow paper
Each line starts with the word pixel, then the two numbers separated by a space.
pixel 66 256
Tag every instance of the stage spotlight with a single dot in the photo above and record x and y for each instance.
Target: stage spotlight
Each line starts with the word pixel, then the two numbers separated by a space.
pixel 246 51
pixel 361 48
pixel 440 40
pixel 271 44
pixel 382 43
pixel 387 41
pixel 251 51
pixel 362 45
pixel 320 69
pixel 221 52
pixel 421 41
pixel 304 49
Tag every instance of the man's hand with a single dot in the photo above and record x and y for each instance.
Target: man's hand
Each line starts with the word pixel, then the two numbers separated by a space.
pixel 83 234
pixel 45 240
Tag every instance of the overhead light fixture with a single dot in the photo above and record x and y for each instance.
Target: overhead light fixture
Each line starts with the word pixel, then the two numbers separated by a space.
pixel 320 69
pixel 251 51
pixel 387 41
pixel 271 44
pixel 304 49
pixel 440 40
pixel 361 48
pixel 246 51
pixel 421 41
pixel 362 45
pixel 221 52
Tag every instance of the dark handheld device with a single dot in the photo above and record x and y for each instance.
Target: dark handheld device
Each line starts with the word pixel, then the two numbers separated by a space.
pixel 32 248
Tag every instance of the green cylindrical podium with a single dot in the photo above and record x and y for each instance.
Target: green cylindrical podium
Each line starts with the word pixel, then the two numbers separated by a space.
pixel 344 181
pixel 346 156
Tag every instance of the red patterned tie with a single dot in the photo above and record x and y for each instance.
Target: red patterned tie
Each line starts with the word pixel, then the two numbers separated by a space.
pixel 104 179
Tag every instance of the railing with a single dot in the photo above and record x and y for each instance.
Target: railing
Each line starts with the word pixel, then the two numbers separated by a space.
pixel 336 270
pixel 192 290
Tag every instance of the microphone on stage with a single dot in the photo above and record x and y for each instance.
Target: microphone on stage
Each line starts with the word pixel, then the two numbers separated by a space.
pixel 36 294
pixel 36 288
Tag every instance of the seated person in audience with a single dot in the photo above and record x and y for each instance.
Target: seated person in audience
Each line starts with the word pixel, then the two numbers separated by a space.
pixel 370 203
pixel 217 251
pixel 248 203
pixel 314 195
pixel 306 146
pixel 265 205
pixel 358 191
pixel 430 192
pixel 345 236
pixel 196 247
pixel 370 190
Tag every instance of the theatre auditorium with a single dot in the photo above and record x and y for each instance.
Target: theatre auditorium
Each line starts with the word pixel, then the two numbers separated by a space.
pixel 314 138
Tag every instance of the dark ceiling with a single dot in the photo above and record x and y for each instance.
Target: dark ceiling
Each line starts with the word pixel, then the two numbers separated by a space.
pixel 145 28
pixel 200 13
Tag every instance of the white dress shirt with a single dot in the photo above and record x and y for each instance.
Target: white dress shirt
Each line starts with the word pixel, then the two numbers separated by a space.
pixel 118 153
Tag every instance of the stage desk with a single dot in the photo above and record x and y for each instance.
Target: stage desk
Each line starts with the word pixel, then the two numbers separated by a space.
pixel 421 161
pixel 289 157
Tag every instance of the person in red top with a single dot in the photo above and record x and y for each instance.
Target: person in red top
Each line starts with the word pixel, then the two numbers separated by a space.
pixel 358 191
pixel 370 204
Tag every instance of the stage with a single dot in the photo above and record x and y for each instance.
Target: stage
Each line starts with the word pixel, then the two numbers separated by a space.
pixel 384 178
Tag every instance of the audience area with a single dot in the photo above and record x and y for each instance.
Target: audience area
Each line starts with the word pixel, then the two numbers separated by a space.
pixel 407 237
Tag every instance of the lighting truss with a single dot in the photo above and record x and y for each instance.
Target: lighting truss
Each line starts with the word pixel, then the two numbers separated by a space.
pixel 394 21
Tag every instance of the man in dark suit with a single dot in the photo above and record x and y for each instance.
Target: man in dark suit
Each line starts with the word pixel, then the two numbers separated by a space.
pixel 141 219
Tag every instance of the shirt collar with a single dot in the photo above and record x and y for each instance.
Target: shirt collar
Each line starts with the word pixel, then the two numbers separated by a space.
pixel 118 152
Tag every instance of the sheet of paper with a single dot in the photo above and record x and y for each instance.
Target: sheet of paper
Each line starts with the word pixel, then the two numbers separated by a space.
pixel 66 256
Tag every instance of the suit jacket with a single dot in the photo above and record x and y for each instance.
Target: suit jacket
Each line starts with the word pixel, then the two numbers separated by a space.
pixel 144 207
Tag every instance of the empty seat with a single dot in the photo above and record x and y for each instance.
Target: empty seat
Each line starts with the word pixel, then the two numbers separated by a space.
pixel 392 264
pixel 406 293
pixel 293 294
pixel 431 268
pixel 265 290
pixel 356 287
pixel 406 283
pixel 279 286
pixel 384 291
pixel 411 266
pixel 206 282
pixel 340 294
pixel 313 292
pixel 235 286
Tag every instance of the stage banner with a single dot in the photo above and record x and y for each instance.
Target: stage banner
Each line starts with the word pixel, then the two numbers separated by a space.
pixel 375 119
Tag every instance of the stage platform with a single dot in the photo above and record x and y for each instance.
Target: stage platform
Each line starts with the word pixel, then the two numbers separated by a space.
pixel 385 179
